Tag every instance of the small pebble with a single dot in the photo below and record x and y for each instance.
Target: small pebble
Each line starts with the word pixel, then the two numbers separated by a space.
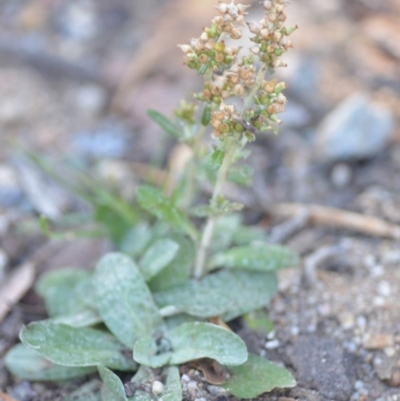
pixel 361 322
pixel 185 378
pixel 272 344
pixel 23 392
pixel 157 387
pixel 384 289
pixel 215 390
pixel 341 175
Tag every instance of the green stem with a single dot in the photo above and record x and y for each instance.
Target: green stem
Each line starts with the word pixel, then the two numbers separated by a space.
pixel 206 237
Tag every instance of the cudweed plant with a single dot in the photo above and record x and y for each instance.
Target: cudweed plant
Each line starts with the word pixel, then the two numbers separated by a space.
pixel 168 293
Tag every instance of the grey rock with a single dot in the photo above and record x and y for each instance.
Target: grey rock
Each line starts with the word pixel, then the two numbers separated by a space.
pixel 23 392
pixel 322 365
pixel 295 115
pixel 355 130
pixel 108 140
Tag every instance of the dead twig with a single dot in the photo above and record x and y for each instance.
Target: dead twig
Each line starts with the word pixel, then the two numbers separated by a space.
pixel 329 216
pixel 15 287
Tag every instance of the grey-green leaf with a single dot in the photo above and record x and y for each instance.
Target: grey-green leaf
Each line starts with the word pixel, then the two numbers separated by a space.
pixel 58 287
pixel 257 376
pixel 112 389
pixel 153 200
pixel 89 391
pixel 180 268
pixel 172 385
pixel 191 341
pixel 157 257
pixel 225 293
pixel 168 126
pixel 70 346
pixel 136 239
pixel 224 230
pixel 142 376
pixel 124 300
pixel 26 363
pixel 260 257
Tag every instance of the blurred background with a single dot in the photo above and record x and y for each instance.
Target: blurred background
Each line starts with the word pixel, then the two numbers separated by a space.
pixel 76 79
pixel 77 76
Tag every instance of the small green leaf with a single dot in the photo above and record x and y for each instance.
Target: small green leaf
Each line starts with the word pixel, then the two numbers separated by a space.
pixel 124 300
pixel 157 257
pixel 26 363
pixel 224 229
pixel 225 293
pixel 257 376
pixel 259 321
pixel 241 175
pixel 89 391
pixel 172 384
pixel 152 200
pixel 167 125
pixel 112 389
pixel 58 288
pixel 191 341
pixel 260 257
pixel 144 375
pixel 217 157
pixel 248 234
pixel 206 115
pixel 136 239
pixel 70 346
pixel 180 268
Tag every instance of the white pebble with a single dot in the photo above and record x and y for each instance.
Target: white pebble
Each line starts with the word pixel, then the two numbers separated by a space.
pixel 272 344
pixel 157 387
pixel 185 378
pixel 384 289
pixel 341 175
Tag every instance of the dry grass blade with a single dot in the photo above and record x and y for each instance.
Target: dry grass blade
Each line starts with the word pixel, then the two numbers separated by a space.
pixel 329 216
pixel 15 287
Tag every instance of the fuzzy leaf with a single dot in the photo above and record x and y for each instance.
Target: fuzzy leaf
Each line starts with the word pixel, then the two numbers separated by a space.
pixel 58 287
pixel 180 268
pixel 216 159
pixel 69 346
pixel 157 257
pixel 124 300
pixel 112 389
pixel 168 126
pixel 143 375
pixel 262 257
pixel 69 297
pixel 26 363
pixel 224 230
pixel 247 234
pixel 226 293
pixel 152 200
pixel 172 385
pixel 136 239
pixel 191 341
pixel 257 376
pixel 85 318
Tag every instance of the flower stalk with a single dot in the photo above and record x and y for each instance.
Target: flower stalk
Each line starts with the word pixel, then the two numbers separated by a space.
pixel 240 101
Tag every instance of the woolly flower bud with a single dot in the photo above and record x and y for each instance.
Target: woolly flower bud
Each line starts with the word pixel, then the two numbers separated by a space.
pixel 254 27
pixel 267 5
pixel 186 48
pixel 196 44
pixel 204 36
pixel 222 7
pixel 236 34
